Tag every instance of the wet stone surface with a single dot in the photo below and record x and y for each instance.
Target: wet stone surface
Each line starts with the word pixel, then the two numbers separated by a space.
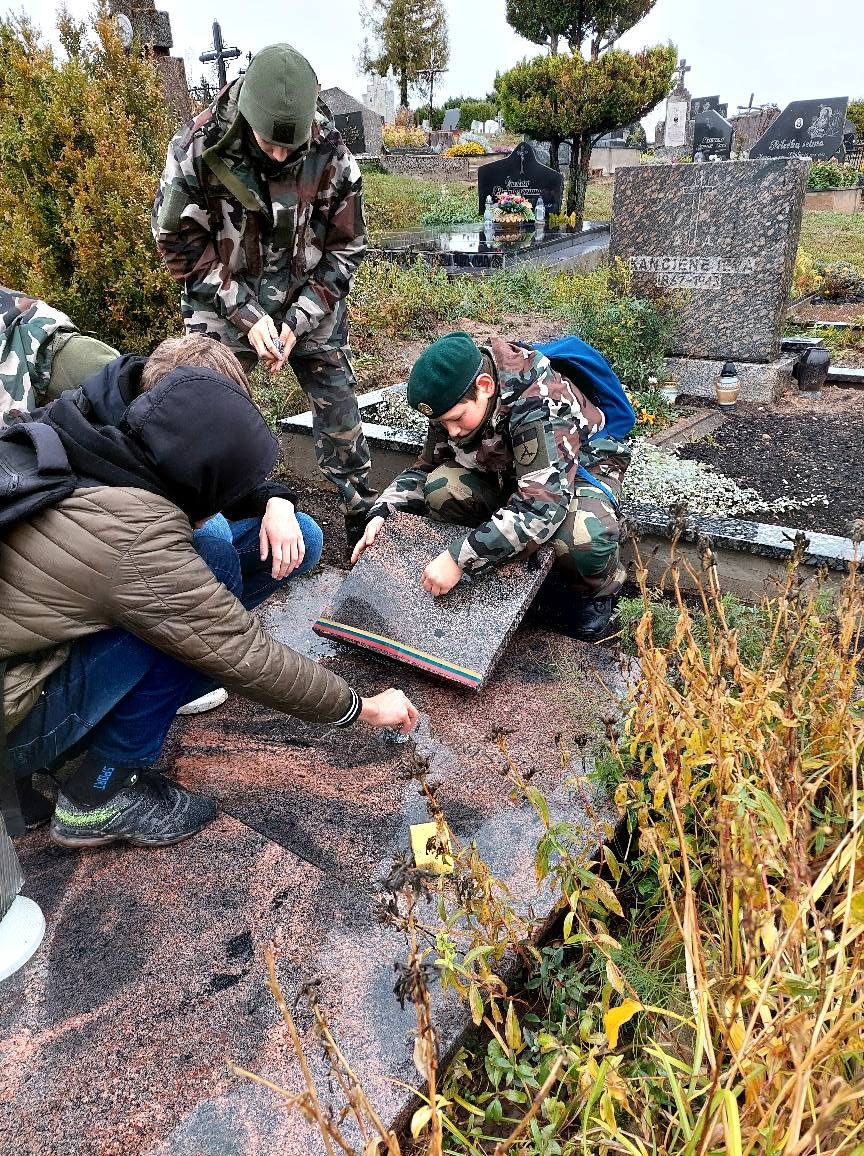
pixel 114 1039
pixel 382 606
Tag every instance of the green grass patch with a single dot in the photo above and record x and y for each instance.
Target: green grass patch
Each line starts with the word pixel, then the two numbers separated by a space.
pixel 834 237
pixel 394 202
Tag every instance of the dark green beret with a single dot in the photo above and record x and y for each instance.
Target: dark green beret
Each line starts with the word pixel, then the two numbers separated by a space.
pixel 443 374
pixel 279 94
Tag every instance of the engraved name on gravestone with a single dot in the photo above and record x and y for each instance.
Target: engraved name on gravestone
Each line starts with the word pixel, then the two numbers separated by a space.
pixel 727 235
pixel 810 128
pixel 521 173
pixel 712 136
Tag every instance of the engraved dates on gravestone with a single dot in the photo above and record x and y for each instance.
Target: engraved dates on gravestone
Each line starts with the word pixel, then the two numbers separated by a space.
pixel 451 119
pixel 712 136
pixel 350 125
pixel 521 173
pixel 809 128
pixel 725 235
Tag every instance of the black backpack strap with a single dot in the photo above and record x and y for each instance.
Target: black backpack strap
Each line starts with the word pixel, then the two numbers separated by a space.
pixel 9 803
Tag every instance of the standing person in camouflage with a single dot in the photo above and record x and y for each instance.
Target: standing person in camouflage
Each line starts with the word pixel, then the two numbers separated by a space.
pixel 259 217
pixel 506 437
pixel 41 353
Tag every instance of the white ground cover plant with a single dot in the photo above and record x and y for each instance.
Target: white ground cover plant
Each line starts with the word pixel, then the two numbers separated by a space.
pixel 657 477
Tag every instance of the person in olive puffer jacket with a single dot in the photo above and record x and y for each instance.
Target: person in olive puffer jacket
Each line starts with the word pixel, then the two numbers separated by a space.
pixel 110 619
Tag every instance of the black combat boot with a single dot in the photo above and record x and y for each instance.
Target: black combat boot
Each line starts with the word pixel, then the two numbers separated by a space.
pixel 355 524
pixel 589 618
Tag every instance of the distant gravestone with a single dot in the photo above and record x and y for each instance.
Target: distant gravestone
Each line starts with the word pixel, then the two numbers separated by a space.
pixel 451 119
pixel 726 236
pixel 359 125
pixel 810 128
pixel 700 104
pixel 712 136
pixel 521 173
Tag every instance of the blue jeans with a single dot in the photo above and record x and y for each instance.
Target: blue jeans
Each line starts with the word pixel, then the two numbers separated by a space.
pixel 116 695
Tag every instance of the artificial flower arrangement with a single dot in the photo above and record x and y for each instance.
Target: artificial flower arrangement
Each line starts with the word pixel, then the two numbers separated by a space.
pixel 511 209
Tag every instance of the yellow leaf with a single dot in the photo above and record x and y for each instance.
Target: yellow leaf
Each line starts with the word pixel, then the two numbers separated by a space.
pixel 615 977
pixel 616 1017
pixel 856 907
pixel 512 1031
pixel 475 1002
pixel 607 1111
pixel 420 1119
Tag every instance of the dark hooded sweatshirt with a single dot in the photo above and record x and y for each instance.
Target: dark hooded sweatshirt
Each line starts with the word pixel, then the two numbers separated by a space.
pixel 119 551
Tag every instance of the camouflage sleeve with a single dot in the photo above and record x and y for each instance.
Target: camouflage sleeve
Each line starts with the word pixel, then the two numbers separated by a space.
pixel 406 491
pixel 546 456
pixel 181 229
pixel 344 248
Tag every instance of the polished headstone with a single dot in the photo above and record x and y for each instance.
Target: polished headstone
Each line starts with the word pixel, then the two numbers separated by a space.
pixel 700 104
pixel 712 136
pixel 359 125
pixel 382 606
pixel 811 128
pixel 726 234
pixel 451 119
pixel 522 174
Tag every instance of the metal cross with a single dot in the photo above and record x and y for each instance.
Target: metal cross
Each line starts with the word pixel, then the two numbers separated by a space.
pixel 219 54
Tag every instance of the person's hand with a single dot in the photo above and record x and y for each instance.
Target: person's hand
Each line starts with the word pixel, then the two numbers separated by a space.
pixel 390 709
pixel 441 575
pixel 282 537
pixel 263 337
pixel 373 529
pixel 289 339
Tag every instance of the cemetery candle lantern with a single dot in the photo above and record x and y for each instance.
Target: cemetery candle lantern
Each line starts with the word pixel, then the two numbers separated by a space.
pixel 727 386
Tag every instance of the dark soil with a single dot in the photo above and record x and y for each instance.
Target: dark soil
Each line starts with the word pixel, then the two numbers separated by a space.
pixel 799 447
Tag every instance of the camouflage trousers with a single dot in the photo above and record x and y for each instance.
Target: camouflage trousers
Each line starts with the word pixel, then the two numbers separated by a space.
pixel 327 378
pixel 585 545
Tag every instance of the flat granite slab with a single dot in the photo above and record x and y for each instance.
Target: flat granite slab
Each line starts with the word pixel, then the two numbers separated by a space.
pixel 382 606
pixel 114 1039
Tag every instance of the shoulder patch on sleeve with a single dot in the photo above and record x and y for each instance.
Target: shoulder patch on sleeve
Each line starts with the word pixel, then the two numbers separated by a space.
pixel 530 451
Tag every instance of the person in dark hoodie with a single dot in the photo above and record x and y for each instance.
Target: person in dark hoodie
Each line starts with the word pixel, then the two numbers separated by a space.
pixel 110 618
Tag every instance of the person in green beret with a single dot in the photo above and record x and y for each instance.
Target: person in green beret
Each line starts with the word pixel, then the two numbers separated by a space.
pixel 507 437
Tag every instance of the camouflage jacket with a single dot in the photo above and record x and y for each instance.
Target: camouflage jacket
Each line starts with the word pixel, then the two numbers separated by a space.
pixel 242 245
pixel 27 327
pixel 530 441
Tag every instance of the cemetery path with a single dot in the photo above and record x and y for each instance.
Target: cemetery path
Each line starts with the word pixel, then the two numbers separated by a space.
pixel 801 447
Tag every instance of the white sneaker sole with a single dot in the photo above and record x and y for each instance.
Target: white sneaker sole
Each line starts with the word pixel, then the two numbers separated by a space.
pixel 205 702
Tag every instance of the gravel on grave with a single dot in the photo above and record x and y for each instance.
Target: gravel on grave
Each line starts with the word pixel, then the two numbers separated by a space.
pixel 799 447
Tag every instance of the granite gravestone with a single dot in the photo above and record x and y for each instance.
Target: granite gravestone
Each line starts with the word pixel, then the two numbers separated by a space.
pixel 700 104
pixel 451 119
pixel 359 125
pixel 382 606
pixel 808 128
pixel 521 173
pixel 712 136
pixel 725 234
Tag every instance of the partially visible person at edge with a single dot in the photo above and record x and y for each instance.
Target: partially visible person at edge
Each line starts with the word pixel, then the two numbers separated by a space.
pixel 42 353
pixel 110 618
pixel 502 455
pixel 259 218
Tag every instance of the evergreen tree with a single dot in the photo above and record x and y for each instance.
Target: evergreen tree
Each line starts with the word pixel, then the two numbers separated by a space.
pixel 409 34
pixel 593 89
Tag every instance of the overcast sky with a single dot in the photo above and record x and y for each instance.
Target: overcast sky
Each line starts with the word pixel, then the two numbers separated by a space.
pixel 781 51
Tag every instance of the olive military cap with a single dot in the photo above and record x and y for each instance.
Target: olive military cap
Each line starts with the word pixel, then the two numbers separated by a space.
pixel 443 374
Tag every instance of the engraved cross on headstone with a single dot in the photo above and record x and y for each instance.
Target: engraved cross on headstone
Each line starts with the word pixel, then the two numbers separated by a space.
pixel 703 214
pixel 219 55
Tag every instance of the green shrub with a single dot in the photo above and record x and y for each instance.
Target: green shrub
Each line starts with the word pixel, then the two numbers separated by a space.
pixel 840 279
pixel 831 175
pixel 82 145
pixel 450 208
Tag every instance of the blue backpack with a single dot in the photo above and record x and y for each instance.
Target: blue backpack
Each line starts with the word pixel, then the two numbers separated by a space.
pixel 588 369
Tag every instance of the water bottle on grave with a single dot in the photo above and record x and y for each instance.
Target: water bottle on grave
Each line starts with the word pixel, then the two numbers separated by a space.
pixel 488 219
pixel 540 212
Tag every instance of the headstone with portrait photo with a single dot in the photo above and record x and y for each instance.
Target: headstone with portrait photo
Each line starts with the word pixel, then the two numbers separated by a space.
pixel 712 137
pixel 807 128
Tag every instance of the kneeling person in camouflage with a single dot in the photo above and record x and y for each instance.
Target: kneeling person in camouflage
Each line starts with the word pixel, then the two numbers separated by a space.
pixel 502 455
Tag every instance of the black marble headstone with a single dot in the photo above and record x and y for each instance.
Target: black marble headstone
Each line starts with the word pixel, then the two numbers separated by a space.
pixel 350 125
pixel 712 136
pixel 521 173
pixel 809 128
pixel 700 104
pixel 451 119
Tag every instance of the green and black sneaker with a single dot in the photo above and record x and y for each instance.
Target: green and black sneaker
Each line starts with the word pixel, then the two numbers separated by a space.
pixel 149 811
